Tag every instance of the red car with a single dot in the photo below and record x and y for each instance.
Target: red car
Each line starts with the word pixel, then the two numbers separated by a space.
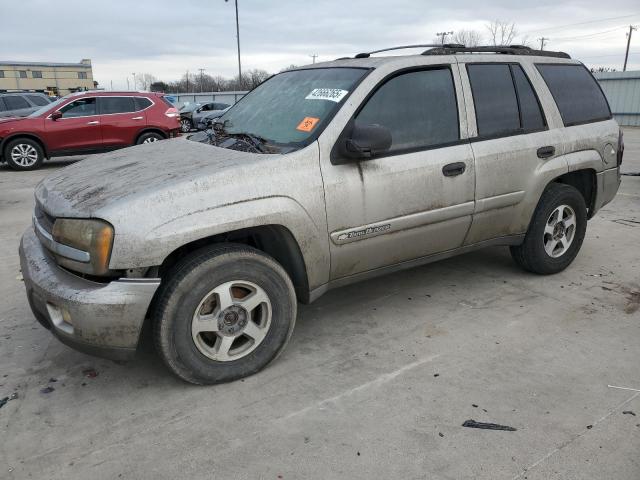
pixel 86 122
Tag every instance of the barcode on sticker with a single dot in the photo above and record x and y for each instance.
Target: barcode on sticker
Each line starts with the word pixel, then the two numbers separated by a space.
pixel 331 94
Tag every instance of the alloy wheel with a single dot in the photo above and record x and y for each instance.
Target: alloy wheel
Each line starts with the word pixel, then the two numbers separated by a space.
pixel 559 231
pixel 24 155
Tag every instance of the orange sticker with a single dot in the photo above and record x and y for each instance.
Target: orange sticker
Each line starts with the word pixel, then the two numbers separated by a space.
pixel 307 124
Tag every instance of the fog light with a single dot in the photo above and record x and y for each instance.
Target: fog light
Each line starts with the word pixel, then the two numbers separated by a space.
pixel 60 317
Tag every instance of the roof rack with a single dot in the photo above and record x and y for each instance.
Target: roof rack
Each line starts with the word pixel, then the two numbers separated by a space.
pixel 503 49
pixel 368 54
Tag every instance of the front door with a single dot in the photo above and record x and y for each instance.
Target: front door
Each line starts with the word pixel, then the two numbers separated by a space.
pixel 418 198
pixel 78 129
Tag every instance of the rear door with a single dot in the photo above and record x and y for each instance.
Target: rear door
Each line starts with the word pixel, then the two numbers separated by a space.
pixel 77 130
pixel 415 200
pixel 513 146
pixel 120 121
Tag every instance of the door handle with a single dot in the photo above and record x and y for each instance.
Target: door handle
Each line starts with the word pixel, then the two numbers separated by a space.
pixel 95 122
pixel 546 152
pixel 454 169
pixel 137 118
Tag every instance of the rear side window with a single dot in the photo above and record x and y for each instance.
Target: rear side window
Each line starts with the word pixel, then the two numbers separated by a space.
pixel 419 108
pixel 141 103
pixel 530 112
pixel 37 100
pixel 576 93
pixel 110 105
pixel 14 102
pixel 495 99
pixel 504 99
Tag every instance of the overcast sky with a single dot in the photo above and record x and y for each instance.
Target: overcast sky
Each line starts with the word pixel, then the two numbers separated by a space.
pixel 168 38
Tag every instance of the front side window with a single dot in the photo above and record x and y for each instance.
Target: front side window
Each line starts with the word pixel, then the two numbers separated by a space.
pixel 80 108
pixel 289 108
pixel 576 93
pixel 111 105
pixel 15 102
pixel 419 108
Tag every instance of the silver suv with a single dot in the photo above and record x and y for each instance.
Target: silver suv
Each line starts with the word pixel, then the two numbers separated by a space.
pixel 320 177
pixel 21 104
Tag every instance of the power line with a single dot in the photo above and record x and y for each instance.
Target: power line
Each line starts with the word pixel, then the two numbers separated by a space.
pixel 580 23
pixel 586 35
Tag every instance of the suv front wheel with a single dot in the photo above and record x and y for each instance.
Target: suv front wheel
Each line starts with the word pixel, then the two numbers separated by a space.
pixel 556 231
pixel 223 312
pixel 24 154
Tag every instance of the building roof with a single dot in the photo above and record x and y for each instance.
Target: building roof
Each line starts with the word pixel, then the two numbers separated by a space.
pixel 12 63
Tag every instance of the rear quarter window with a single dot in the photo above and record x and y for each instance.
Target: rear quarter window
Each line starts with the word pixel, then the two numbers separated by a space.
pixel 576 93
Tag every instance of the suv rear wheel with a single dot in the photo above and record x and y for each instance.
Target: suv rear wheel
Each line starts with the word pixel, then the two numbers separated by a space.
pixel 223 313
pixel 556 232
pixel 149 137
pixel 24 154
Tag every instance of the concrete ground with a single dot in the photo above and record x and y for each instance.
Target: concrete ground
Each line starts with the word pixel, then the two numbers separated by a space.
pixel 376 382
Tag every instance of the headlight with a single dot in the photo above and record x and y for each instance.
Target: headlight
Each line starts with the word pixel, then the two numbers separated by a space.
pixel 92 236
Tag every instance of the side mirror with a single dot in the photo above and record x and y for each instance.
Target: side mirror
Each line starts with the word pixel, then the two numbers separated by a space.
pixel 56 115
pixel 364 142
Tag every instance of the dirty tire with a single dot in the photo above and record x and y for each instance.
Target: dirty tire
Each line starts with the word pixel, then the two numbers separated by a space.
pixel 185 286
pixel 149 138
pixel 33 158
pixel 531 255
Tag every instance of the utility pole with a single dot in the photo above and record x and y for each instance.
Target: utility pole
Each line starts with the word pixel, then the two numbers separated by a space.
pixel 127 83
pixel 542 40
pixel 443 36
pixel 314 56
pixel 187 77
pixel 238 37
pixel 626 55
pixel 134 80
pixel 201 78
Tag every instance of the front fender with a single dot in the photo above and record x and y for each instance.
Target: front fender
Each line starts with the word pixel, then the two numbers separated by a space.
pixel 160 241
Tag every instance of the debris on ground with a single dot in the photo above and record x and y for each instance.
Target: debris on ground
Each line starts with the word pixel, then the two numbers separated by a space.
pixel 488 426
pixel 90 373
pixel 589 427
pixel 629 412
pixel 5 400
pixel 474 405
pixel 53 380
pixel 46 390
pixel 441 434
pixel 436 374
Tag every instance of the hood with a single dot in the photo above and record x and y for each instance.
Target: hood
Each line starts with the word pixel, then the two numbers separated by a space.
pixel 107 180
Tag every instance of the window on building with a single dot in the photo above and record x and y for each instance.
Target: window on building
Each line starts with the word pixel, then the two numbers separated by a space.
pixel 419 108
pixel 36 73
pixel 22 73
pixel 15 102
pixel 80 108
pixel 82 75
pixel 110 105
pixel 576 93
pixel 1 73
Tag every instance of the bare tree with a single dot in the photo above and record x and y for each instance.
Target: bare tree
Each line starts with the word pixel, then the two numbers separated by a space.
pixel 144 81
pixel 501 33
pixel 468 38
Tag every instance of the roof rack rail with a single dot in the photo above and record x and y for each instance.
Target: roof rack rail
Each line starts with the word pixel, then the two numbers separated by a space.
pixel 504 49
pixel 432 46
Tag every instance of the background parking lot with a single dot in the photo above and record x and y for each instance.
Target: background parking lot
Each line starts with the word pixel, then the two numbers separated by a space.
pixel 376 382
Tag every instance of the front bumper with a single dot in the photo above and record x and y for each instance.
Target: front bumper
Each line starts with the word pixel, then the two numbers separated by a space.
pixel 102 319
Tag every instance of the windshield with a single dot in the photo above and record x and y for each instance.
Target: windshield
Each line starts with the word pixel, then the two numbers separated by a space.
pixel 288 108
pixel 189 107
pixel 47 107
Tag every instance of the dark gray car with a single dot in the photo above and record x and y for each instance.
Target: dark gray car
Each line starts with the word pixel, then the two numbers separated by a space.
pixel 191 114
pixel 21 104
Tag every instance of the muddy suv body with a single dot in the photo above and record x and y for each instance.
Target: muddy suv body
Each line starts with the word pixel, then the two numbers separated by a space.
pixel 366 166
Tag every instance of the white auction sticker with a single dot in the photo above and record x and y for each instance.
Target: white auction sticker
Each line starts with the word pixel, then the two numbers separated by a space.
pixel 331 94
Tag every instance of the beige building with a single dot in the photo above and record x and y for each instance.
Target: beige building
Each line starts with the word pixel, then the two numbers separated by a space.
pixel 52 78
